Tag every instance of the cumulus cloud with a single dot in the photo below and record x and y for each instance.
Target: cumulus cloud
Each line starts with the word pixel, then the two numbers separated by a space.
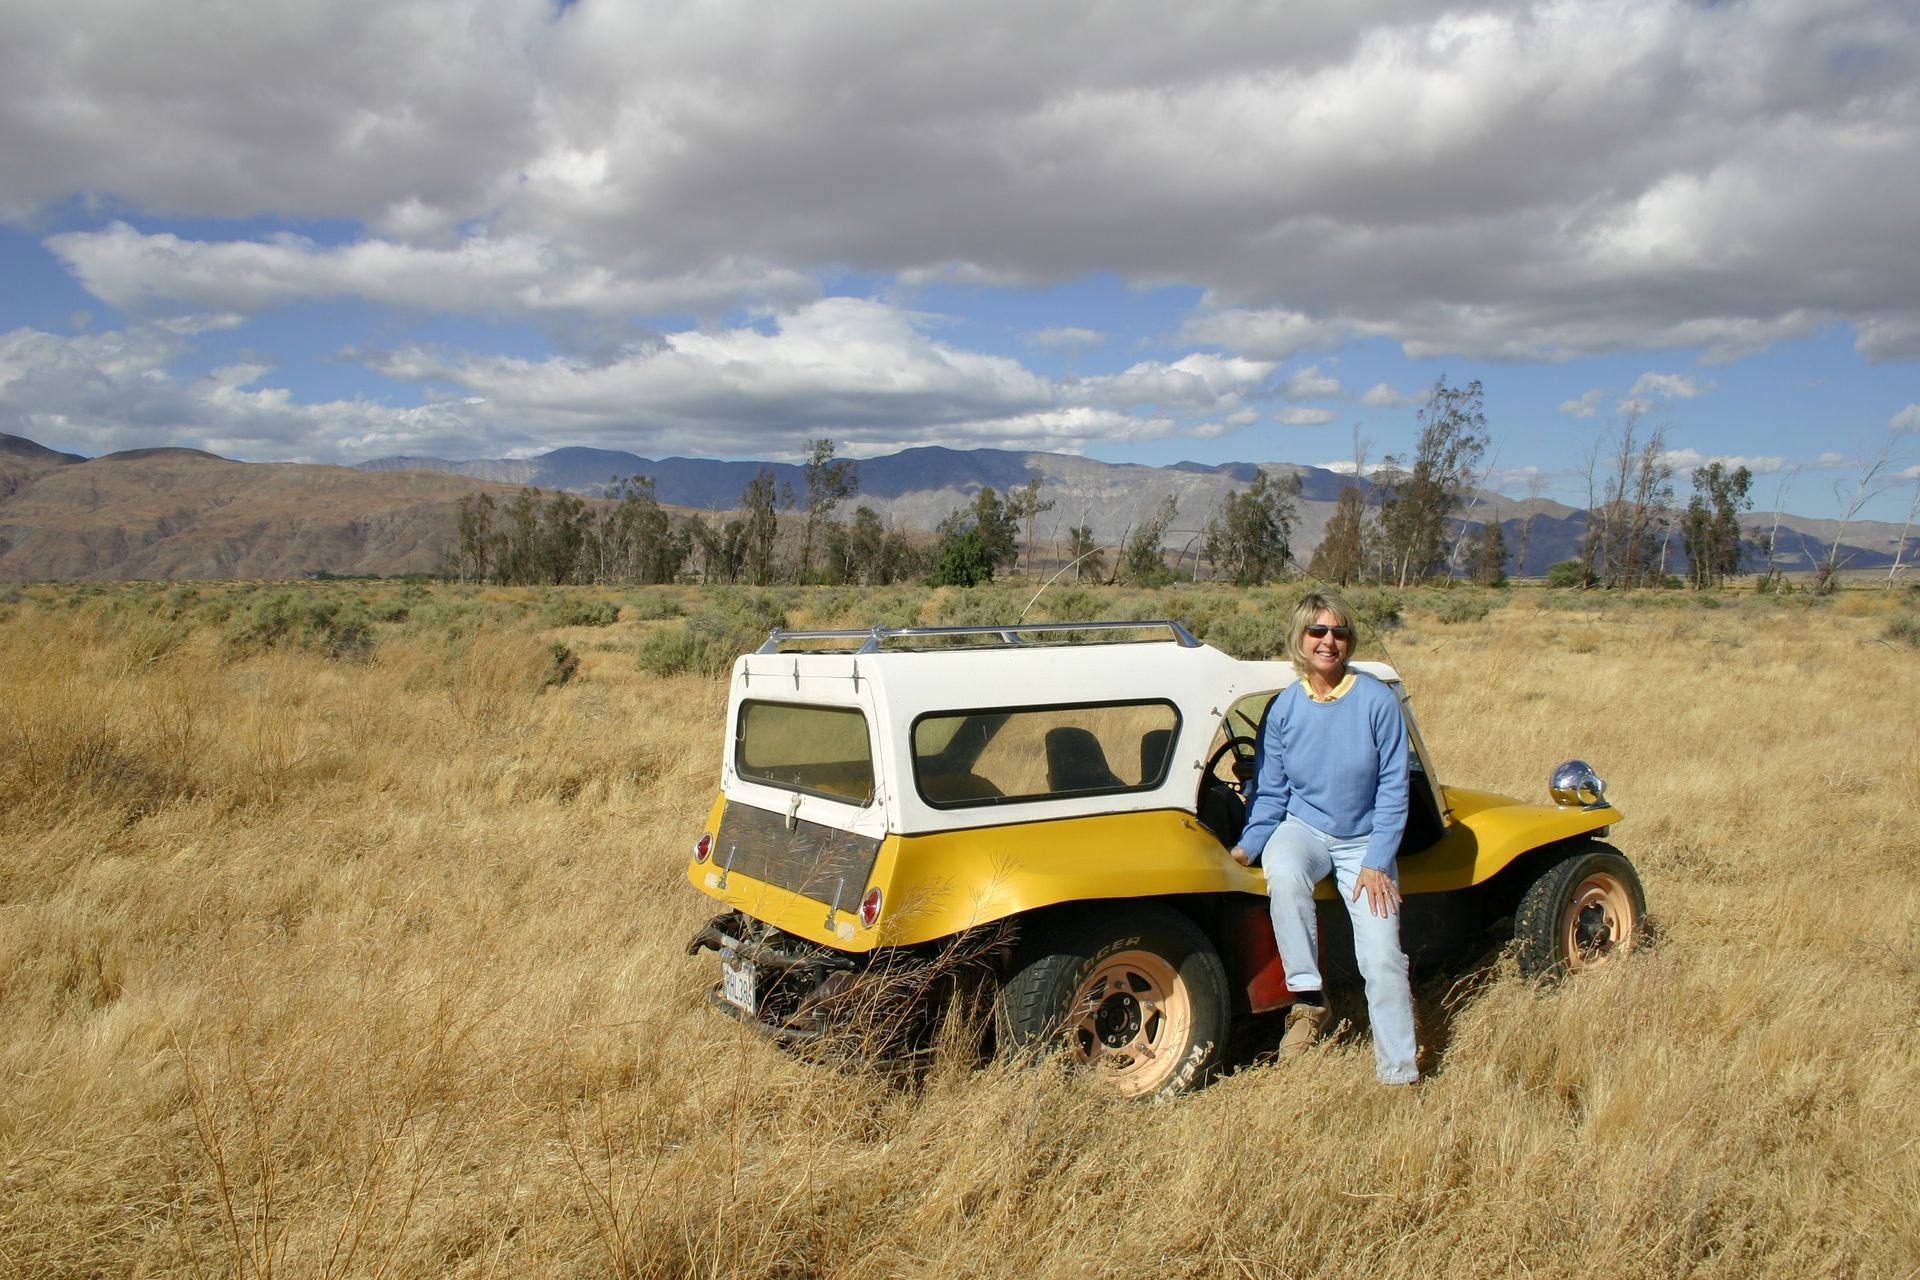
pixel 1686 460
pixel 1908 419
pixel 98 393
pixel 516 274
pixel 1270 334
pixel 1346 467
pixel 1301 416
pixel 1524 180
pixel 1382 396
pixel 1586 405
pixel 1670 386
pixel 345 109
pixel 1201 381
pixel 866 373
pixel 1310 384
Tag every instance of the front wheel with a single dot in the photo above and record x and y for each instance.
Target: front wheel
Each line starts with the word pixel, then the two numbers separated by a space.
pixel 1582 912
pixel 1138 995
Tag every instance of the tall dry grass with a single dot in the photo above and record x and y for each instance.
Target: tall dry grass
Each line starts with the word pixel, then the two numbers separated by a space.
pixel 314 965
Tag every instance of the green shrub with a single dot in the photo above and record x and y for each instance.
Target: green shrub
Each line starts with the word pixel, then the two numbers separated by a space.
pixel 732 623
pixel 981 607
pixel 1379 607
pixel 562 665
pixel 1249 636
pixel 579 611
pixel 327 623
pixel 672 651
pixel 1903 629
pixel 1566 573
pixel 652 606
pixel 963 561
pixel 1463 606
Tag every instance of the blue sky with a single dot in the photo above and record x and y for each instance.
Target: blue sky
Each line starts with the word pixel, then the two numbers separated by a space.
pixel 1229 232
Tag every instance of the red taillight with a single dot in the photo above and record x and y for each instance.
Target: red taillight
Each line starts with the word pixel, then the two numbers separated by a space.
pixel 703 848
pixel 870 907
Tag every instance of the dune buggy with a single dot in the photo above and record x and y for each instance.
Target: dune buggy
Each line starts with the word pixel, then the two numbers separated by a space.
pixel 1045 810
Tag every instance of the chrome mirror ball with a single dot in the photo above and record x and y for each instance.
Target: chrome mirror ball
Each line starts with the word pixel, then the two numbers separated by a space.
pixel 1575 783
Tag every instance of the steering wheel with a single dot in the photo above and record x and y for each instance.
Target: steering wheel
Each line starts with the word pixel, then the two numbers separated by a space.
pixel 1243 749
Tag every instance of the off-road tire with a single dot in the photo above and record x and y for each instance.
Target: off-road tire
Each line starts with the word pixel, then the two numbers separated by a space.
pixel 1135 993
pixel 1580 912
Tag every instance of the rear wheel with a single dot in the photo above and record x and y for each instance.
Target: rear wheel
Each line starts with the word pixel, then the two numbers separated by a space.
pixel 1582 912
pixel 1137 995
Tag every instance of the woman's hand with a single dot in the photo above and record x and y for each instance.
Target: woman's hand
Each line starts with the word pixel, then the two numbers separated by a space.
pixel 1383 895
pixel 1239 855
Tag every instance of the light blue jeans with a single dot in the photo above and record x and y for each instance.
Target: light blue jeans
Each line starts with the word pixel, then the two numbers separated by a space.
pixel 1296 858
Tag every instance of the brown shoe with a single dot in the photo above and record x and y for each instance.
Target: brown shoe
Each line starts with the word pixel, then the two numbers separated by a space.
pixel 1305 1022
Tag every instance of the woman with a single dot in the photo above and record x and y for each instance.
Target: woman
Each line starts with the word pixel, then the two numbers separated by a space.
pixel 1330 794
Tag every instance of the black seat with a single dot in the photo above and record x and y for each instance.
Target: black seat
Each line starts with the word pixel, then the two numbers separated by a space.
pixel 1077 762
pixel 1154 745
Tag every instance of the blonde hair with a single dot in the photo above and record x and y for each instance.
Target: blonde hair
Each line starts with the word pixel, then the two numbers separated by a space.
pixel 1311 606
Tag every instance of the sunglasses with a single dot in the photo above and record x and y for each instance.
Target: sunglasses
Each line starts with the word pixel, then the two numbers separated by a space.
pixel 1320 629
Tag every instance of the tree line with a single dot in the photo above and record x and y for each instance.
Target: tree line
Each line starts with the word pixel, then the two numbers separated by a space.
pixel 1408 521
pixel 627 537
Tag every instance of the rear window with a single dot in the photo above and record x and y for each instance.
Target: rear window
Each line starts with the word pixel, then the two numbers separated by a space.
pixel 1001 756
pixel 822 751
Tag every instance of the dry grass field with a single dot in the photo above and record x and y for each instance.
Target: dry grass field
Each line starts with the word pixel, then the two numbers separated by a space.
pixel 364 958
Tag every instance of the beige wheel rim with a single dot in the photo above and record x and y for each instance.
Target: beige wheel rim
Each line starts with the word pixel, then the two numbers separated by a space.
pixel 1599 922
pixel 1132 1021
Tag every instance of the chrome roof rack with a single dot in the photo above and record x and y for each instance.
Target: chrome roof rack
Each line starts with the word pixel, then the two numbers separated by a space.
pixel 874 638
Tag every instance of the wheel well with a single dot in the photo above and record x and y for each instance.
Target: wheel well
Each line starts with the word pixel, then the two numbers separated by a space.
pixel 1202 908
pixel 1510 883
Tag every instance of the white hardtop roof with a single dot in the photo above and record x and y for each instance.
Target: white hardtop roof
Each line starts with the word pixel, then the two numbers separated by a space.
pixel 989 665
pixel 895 686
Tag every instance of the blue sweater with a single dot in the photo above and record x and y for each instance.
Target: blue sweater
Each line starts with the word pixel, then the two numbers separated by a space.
pixel 1339 766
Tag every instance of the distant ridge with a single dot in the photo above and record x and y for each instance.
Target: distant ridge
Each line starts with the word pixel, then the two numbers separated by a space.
pixel 168 451
pixel 21 447
pixel 187 513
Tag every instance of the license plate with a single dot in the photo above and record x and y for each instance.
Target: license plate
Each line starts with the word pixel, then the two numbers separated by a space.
pixel 736 983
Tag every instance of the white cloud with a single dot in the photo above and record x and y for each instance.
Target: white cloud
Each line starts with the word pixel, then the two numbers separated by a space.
pixel 337 110
pixel 1310 384
pixel 1200 381
pixel 1671 386
pixel 1685 460
pixel 855 369
pixel 868 374
pixel 1269 334
pixel 1345 467
pixel 517 274
pixel 1908 419
pixel 1522 181
pixel 1301 416
pixel 1382 396
pixel 98 393
pixel 1585 406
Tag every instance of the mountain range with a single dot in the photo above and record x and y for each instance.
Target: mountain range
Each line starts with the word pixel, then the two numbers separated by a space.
pixel 183 513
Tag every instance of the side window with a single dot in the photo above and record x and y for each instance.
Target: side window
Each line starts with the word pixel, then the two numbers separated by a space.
pixel 1242 720
pixel 1000 756
pixel 819 750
